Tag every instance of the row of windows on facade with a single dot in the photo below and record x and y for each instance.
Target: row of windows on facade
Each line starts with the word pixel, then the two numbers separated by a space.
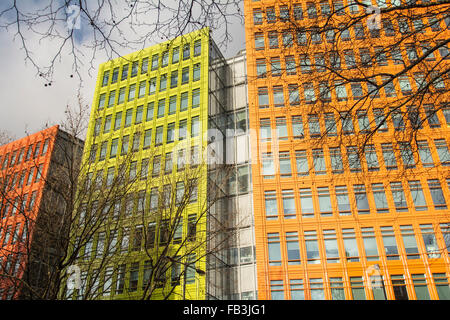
pixel 314 91
pixel 136 277
pixel 136 116
pixel 146 138
pixel 19 156
pixel 363 58
pixel 346 246
pixel 320 162
pixel 297 12
pixel 320 125
pixel 156 62
pixel 326 201
pixel 142 89
pixel 417 287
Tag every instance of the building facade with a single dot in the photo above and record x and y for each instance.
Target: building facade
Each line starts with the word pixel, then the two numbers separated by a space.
pixel 31 211
pixel 157 139
pixel 343 208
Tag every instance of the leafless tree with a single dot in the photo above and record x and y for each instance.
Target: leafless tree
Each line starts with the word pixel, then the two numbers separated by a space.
pixel 84 29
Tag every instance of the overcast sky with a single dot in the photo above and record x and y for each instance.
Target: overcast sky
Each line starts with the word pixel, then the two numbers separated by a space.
pixel 27 105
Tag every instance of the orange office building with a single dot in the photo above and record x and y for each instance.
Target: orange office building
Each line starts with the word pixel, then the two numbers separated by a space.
pixel 350 120
pixel 27 204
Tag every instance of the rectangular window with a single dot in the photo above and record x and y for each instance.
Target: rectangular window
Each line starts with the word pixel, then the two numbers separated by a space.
pixel 155 60
pixel 285 164
pixel 370 244
pixel 101 101
pixel 288 204
pixel 390 244
pixel 420 287
pixel 409 242
pixel 389 158
pixel 196 72
pixel 275 66
pixel 297 127
pixel 417 195
pixel 159 135
pixel 294 96
pixel 195 98
pixel 325 206
pixel 436 194
pixel 297 289
pixel 336 160
pixel 147 138
pixel 259 41
pixel 442 286
pixel 357 288
pixel 302 163
pixel 186 51
pixel 317 289
pixel 174 79
pixel 350 245
pixel 125 72
pixel 442 151
pixel 399 286
pixel 292 248
pixel 276 290
pixel 380 198
pixel 362 203
pixel 331 246
pixel 306 202
pixel 263 98
pixel 115 75
pixel 319 162
pixel 163 82
pixel 128 117
pixel 271 208
pixel 343 201
pixel 152 86
pixel 429 240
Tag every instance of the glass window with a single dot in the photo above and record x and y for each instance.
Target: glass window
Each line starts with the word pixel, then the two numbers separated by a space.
pixel 317 289
pixel 297 289
pixel 292 248
pixel 285 164
pixel 337 288
pixel 325 206
pixel 343 201
pixel 195 98
pixel 319 162
pixel 362 203
pixel 442 286
pixel 331 246
pixel 436 194
pixel 390 161
pixel 288 204
pixel 417 195
pixel 276 290
pixel 429 240
pixel 274 249
pixel 357 287
pixel 306 202
pixel 420 287
pixel 370 243
pixel 442 151
pixel 271 208
pixel 302 162
pixel 186 51
pixel 297 127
